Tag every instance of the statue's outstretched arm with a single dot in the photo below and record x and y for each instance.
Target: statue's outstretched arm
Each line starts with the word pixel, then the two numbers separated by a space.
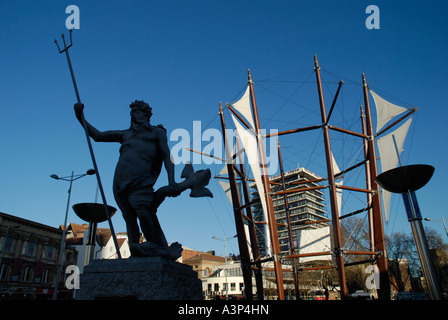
pixel 94 133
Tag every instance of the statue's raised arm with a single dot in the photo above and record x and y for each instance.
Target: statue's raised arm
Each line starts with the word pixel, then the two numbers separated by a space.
pixel 95 134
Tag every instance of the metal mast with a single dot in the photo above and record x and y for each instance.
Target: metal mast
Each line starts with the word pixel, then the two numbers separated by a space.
pixel 288 221
pixel 378 229
pixel 270 208
pixel 242 241
pixel 337 241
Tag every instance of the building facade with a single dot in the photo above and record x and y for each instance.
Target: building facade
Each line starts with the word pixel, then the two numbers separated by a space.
pixel 305 207
pixel 226 282
pixel 29 258
pixel 203 263
pixel 77 235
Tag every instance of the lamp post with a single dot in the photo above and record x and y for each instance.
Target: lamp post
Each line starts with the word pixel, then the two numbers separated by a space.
pixel 225 260
pixel 61 252
pixel 443 221
pixel 406 180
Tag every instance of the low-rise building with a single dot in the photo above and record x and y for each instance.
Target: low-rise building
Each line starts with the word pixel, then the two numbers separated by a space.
pixel 77 236
pixel 29 259
pixel 203 263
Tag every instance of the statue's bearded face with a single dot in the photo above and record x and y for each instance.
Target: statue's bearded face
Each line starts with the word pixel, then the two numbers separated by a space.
pixel 141 112
pixel 139 119
pixel 139 116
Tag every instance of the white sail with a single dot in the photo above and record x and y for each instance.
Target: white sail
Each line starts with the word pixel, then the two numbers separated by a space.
pixel 314 241
pixel 339 182
pixel 251 147
pixel 243 106
pixel 389 156
pixel 223 171
pixel 249 244
pixel 385 110
pixel 226 187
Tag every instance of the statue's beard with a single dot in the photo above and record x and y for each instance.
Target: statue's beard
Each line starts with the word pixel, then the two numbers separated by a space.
pixel 139 124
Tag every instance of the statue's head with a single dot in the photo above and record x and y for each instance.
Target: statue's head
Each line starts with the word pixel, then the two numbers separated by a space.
pixel 142 106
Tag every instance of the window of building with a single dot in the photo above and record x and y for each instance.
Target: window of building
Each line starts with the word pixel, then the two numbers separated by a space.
pixel 29 248
pixel 7 244
pixel 46 275
pixel 69 258
pixel 49 252
pixel 232 286
pixel 216 289
pixel 27 273
pixel 3 269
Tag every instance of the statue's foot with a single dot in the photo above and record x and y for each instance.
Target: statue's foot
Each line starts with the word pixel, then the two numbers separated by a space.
pixel 175 251
pixel 147 249
pixel 150 249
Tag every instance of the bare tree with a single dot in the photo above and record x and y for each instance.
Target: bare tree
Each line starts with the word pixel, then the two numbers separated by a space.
pixel 401 246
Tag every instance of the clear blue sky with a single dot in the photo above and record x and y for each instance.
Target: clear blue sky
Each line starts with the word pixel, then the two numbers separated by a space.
pixel 183 57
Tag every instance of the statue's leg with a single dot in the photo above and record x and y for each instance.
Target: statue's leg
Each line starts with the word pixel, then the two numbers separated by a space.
pixel 150 221
pixel 141 201
pixel 130 217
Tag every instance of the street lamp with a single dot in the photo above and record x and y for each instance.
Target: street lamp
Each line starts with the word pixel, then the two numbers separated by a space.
pixel 225 260
pixel 61 252
pixel 443 221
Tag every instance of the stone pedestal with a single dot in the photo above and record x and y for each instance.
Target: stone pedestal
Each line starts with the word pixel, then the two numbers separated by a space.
pixel 139 278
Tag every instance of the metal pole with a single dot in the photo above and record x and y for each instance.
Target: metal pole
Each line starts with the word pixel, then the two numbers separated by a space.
pixel 271 215
pixel 446 230
pixel 332 189
pixel 421 242
pixel 252 231
pixel 288 220
pixel 90 245
pixel 239 223
pixel 61 251
pixel 378 227
pixel 423 253
pixel 368 180
pixel 225 267
pixel 442 221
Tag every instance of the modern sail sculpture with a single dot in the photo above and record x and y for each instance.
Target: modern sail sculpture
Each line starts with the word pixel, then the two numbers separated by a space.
pixel 224 184
pixel 249 142
pixel 243 107
pixel 227 189
pixel 245 117
pixel 386 111
pixel 314 241
pixel 338 184
pixel 389 158
pixel 248 133
pixel 238 191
